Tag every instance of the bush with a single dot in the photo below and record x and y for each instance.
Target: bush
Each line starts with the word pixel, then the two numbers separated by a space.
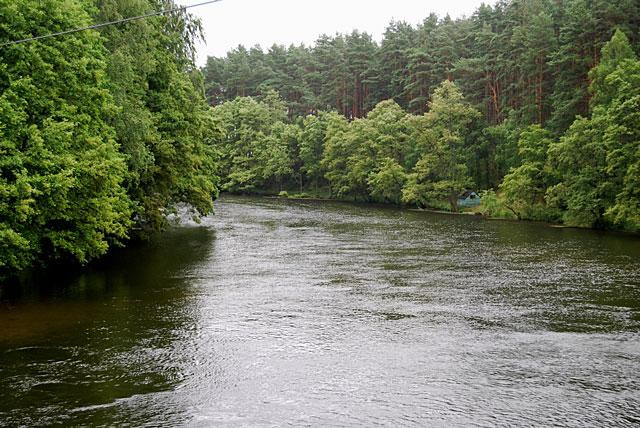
pixel 492 205
pixel 301 196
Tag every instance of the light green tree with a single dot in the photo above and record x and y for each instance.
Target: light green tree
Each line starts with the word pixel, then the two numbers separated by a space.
pixel 387 182
pixel 253 151
pixel 441 172
pixel 337 149
pixel 61 173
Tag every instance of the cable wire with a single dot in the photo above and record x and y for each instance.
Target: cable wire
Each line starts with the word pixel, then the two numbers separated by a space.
pixel 105 24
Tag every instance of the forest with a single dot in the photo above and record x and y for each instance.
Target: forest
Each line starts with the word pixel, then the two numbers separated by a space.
pixel 534 103
pixel 103 133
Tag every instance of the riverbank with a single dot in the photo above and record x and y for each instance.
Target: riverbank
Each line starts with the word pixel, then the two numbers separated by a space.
pixel 495 211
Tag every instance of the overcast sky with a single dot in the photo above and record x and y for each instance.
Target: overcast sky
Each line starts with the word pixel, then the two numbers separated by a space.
pixel 265 22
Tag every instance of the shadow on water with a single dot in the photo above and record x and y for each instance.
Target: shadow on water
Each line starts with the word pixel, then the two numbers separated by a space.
pixel 87 337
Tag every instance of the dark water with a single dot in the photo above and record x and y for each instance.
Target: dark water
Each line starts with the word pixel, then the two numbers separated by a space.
pixel 281 313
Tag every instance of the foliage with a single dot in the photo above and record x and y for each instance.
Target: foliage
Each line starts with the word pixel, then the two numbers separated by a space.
pixel 442 172
pixel 493 205
pixel 524 188
pixel 585 177
pixel 254 151
pixel 366 158
pixel 522 59
pixel 598 157
pixel 312 137
pixel 518 62
pixel 100 134
pixel 386 184
pixel 61 174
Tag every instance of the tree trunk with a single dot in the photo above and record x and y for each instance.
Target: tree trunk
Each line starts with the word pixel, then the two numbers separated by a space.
pixel 453 201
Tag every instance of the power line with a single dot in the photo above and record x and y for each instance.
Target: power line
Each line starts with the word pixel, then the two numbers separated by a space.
pixel 104 24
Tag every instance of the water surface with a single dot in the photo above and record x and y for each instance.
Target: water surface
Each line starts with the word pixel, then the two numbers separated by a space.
pixel 277 313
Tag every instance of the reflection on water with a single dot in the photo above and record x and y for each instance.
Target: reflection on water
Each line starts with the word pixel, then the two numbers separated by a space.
pixel 308 313
pixel 74 343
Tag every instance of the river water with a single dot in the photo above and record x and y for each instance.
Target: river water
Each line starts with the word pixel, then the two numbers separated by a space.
pixel 275 313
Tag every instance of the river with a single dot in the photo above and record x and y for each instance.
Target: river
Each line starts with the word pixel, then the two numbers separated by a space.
pixel 275 313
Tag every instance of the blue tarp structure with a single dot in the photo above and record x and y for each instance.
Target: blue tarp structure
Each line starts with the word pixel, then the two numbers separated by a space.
pixel 469 199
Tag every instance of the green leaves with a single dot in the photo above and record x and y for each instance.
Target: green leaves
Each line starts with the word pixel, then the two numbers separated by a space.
pixel 356 153
pixel 524 188
pixel 587 178
pixel 61 171
pixel 96 130
pixel 254 144
pixel 442 172
pixel 387 183
pixel 606 79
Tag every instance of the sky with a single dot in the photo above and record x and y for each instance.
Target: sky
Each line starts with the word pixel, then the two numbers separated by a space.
pixel 265 22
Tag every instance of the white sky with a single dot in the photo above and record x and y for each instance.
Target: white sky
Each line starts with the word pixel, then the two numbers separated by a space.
pixel 265 22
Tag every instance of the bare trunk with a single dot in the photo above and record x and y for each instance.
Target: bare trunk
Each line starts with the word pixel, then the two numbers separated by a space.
pixel 453 201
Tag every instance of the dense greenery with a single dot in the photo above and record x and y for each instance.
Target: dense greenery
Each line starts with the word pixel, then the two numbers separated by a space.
pixel 527 60
pixel 101 133
pixel 535 101
pixel 388 156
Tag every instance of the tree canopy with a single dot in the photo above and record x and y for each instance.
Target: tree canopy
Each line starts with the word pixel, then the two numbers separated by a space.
pixel 101 133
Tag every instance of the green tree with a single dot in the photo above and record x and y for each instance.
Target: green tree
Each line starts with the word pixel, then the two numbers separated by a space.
pixel 163 124
pixel 253 149
pixel 442 173
pixel 274 155
pixel 337 149
pixel 387 182
pixel 622 138
pixel 518 62
pixel 584 189
pixel 61 174
pixel 358 152
pixel 598 158
pixel 616 54
pixel 312 138
pixel 525 187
